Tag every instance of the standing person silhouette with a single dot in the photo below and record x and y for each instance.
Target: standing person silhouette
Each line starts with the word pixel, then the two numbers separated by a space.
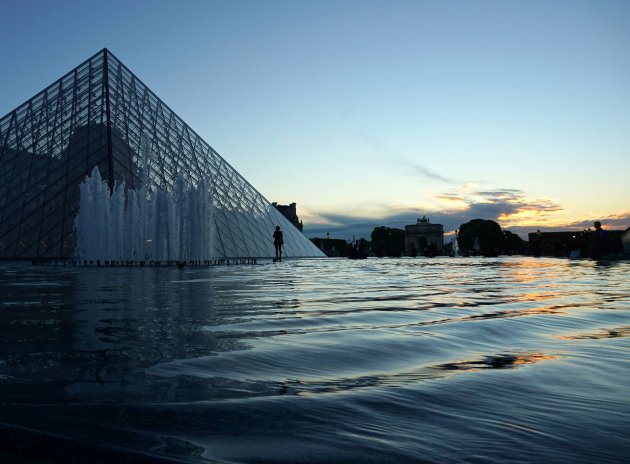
pixel 278 242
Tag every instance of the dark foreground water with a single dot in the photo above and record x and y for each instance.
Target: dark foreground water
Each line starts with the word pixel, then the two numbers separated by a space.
pixel 410 360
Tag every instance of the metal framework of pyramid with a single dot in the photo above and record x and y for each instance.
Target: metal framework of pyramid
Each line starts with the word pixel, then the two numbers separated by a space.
pixel 96 115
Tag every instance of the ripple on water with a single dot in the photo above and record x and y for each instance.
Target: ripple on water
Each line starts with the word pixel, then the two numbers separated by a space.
pixel 382 360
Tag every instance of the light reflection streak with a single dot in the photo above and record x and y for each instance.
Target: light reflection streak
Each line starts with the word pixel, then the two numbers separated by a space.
pixel 500 361
pixel 401 379
pixel 619 332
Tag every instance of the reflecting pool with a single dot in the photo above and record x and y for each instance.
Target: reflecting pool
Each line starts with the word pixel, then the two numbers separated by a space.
pixel 324 360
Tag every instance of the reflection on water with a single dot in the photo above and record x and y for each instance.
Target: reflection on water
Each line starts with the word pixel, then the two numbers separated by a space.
pixel 605 333
pixel 501 361
pixel 390 360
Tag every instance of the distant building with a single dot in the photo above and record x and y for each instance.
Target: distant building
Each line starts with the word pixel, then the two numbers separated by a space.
pixel 572 244
pixel 559 244
pixel 424 238
pixel 290 212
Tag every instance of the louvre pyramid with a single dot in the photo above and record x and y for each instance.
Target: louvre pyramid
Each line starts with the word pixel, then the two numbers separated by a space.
pixel 96 115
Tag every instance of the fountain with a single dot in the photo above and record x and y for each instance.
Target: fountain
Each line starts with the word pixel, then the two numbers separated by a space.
pixel 138 225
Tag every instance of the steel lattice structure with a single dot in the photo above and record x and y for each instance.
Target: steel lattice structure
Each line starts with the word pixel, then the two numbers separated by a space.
pixel 96 115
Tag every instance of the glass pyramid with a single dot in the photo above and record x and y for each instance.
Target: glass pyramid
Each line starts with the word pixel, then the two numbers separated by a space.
pixel 96 115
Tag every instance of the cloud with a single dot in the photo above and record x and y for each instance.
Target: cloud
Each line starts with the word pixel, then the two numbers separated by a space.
pixel 402 163
pixel 505 194
pixel 509 207
pixel 455 197
pixel 614 221
pixel 415 169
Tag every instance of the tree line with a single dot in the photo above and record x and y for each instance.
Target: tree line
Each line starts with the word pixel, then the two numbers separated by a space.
pixel 477 237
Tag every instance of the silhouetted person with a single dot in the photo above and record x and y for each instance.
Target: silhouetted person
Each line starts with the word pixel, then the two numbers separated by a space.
pixel 278 242
pixel 598 241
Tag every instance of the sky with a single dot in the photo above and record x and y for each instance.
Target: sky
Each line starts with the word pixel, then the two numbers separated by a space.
pixel 373 113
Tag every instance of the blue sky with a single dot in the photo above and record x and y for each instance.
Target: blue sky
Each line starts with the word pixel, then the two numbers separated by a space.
pixel 371 113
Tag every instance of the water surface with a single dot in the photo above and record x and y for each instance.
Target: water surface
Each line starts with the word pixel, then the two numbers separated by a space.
pixel 383 360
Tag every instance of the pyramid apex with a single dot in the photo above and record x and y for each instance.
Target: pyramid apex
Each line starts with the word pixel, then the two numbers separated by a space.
pixel 105 52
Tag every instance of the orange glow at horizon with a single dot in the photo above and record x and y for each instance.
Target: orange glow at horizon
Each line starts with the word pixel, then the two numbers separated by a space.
pixel 527 217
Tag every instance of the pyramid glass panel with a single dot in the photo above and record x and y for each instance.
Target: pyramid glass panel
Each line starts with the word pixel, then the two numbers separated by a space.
pixel 97 116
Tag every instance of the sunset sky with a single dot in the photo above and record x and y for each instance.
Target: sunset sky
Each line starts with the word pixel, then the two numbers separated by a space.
pixel 370 113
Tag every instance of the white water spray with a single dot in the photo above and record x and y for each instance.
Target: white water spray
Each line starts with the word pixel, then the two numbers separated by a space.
pixel 130 225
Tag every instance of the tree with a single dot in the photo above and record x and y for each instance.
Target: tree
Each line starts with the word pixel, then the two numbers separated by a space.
pixel 481 236
pixel 331 246
pixel 512 243
pixel 387 241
